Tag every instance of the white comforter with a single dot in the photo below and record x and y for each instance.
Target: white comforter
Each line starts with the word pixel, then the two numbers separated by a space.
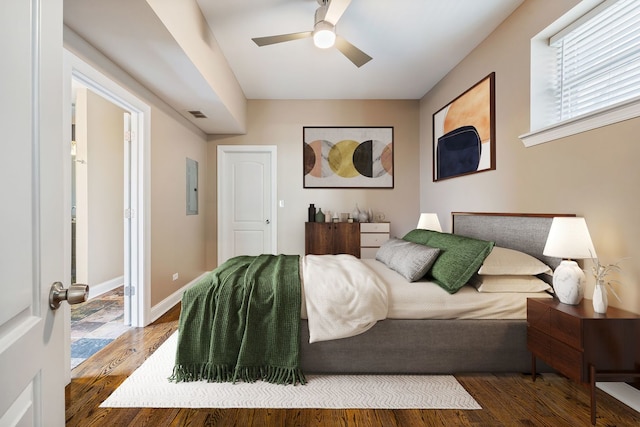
pixel 343 296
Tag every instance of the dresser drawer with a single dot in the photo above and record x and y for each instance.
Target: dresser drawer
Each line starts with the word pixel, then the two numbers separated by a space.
pixel 374 227
pixel 373 239
pixel 368 253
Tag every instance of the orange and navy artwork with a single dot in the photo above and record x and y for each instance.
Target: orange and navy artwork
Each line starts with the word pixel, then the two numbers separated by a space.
pixel 348 157
pixel 464 133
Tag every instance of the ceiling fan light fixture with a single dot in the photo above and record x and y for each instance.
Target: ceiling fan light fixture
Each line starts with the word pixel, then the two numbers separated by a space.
pixel 324 35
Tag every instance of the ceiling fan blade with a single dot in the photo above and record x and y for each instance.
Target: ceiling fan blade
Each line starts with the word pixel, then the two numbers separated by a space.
pixel 335 10
pixel 263 41
pixel 355 55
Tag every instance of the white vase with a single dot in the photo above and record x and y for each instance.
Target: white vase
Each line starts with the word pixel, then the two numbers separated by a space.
pixel 600 300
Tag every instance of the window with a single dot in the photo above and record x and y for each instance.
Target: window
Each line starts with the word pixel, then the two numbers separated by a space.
pixel 598 61
pixel 594 73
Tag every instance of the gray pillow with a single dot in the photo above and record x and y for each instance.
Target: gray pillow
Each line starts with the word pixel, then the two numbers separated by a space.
pixel 411 260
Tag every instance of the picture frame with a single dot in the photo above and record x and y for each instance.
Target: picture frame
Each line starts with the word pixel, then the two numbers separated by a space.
pixel 464 133
pixel 348 157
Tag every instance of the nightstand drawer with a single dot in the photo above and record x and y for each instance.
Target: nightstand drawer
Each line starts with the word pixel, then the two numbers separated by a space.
pixel 538 315
pixel 565 328
pixel 567 360
pixel 562 326
pixel 374 227
pixel 373 240
pixel 560 356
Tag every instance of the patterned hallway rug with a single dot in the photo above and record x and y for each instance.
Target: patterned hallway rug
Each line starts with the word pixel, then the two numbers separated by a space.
pixel 148 387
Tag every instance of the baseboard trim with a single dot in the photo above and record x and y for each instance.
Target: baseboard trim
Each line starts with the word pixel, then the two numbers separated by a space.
pixel 166 304
pixel 625 393
pixel 104 287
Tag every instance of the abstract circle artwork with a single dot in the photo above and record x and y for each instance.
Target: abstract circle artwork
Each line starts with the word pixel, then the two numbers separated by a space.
pixel 348 157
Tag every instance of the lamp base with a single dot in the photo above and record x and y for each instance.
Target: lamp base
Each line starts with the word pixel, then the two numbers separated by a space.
pixel 568 283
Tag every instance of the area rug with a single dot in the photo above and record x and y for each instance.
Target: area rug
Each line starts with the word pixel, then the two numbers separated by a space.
pixel 148 387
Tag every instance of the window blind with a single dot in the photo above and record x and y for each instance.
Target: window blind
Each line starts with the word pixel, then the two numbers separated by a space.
pixel 598 61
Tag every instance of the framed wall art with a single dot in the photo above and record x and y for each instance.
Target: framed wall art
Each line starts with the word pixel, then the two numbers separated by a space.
pixel 464 132
pixel 348 157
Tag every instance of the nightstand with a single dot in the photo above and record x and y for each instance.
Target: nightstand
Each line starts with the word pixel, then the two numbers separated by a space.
pixel 583 345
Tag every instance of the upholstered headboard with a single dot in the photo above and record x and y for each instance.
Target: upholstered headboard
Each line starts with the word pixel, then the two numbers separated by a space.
pixel 523 232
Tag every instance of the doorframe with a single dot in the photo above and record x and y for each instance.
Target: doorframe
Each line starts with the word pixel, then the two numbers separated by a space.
pixel 222 151
pixel 138 234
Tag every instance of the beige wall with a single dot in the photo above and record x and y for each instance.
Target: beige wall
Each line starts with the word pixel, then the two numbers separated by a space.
pixel 593 174
pixel 280 123
pixel 177 239
pixel 100 189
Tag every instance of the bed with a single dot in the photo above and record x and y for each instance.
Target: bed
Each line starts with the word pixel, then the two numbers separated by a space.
pixel 443 345
pixel 485 333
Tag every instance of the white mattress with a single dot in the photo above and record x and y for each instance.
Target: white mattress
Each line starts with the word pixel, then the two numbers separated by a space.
pixel 427 300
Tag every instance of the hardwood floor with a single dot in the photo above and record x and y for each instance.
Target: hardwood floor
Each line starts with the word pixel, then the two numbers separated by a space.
pixel 506 399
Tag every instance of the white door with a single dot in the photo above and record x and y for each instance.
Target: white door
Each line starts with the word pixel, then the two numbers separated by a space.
pixel 246 201
pixel 32 214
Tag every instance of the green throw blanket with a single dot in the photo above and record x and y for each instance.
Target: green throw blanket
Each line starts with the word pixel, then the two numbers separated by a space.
pixel 242 322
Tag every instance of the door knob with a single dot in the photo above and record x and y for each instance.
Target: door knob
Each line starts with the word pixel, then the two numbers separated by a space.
pixel 75 294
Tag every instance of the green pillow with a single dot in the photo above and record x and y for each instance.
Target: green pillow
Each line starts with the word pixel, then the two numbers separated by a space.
pixel 460 256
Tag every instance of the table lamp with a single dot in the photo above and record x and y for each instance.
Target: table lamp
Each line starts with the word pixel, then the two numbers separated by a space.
pixel 429 221
pixel 569 239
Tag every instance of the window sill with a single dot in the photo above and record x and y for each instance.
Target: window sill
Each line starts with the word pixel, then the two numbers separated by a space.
pixel 604 117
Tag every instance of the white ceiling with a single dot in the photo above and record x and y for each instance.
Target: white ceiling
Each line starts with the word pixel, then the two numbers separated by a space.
pixel 414 43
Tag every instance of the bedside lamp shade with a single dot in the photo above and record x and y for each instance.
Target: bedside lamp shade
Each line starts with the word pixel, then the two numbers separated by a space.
pixel 429 221
pixel 569 239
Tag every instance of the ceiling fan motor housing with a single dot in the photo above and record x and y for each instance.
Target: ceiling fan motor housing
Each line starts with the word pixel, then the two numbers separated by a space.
pixel 324 32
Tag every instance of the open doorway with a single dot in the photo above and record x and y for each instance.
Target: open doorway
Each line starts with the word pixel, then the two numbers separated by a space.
pixel 134 204
pixel 99 148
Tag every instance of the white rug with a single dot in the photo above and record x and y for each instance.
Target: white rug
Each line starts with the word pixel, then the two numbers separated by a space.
pixel 148 387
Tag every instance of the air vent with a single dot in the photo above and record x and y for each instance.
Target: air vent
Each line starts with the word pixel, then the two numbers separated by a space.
pixel 197 114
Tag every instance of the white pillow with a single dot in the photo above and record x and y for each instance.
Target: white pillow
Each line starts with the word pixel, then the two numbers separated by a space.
pixel 409 259
pixel 511 262
pixel 509 283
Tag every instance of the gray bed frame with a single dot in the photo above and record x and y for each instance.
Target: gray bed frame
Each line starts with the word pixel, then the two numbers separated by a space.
pixel 442 346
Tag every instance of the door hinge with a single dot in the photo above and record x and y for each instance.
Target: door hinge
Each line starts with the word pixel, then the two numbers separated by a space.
pixel 129 291
pixel 129 213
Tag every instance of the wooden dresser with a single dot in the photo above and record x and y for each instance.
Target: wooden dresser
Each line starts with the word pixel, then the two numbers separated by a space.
pixel 583 345
pixel 332 238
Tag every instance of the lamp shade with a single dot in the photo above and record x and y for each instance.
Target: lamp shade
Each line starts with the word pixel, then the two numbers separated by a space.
pixel 429 221
pixel 569 238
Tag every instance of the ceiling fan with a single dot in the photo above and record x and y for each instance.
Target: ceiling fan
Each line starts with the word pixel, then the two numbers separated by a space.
pixel 324 32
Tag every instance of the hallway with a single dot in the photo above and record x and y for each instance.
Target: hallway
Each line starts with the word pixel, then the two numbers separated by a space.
pixel 96 323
